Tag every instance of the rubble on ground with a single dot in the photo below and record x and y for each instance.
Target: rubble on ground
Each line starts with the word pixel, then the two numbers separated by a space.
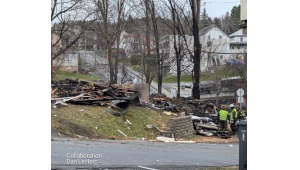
pixel 69 91
pixel 121 96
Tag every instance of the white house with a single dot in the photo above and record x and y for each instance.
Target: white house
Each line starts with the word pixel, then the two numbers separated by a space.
pixel 238 45
pixel 133 44
pixel 67 62
pixel 185 43
pixel 215 46
pixel 214 51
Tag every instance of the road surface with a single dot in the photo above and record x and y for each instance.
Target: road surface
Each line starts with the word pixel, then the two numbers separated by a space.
pixel 114 154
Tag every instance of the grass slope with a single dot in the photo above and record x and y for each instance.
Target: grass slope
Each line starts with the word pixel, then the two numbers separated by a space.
pixel 96 122
pixel 61 75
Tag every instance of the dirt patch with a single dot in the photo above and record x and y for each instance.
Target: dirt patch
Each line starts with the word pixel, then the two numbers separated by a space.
pixel 215 139
pixel 72 129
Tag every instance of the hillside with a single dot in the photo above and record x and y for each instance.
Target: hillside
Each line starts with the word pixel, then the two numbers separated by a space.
pixel 99 122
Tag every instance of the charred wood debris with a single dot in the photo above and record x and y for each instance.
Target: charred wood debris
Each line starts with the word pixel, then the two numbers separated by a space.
pixel 120 97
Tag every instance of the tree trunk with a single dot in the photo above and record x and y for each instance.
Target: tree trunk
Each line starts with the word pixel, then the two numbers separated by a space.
pixel 117 60
pixel 197 48
pixel 159 59
pixel 178 75
pixel 110 64
pixel 147 70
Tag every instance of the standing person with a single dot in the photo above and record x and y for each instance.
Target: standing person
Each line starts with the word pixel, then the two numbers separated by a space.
pixel 242 114
pixel 223 116
pixel 233 118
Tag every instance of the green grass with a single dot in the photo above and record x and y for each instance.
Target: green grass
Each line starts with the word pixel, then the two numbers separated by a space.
pixel 184 78
pixel 94 121
pixel 188 78
pixel 173 79
pixel 61 75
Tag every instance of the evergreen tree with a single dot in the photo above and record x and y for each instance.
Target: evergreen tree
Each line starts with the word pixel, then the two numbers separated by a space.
pixel 129 25
pixel 230 23
pixel 217 22
pixel 226 24
pixel 205 20
pixel 235 18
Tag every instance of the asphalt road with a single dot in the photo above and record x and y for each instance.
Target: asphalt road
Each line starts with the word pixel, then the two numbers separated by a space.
pixel 114 154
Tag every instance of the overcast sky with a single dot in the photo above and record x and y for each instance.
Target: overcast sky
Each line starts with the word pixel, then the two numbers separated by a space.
pixel 217 8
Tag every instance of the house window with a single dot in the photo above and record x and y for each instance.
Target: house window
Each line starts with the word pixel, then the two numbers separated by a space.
pixel 135 47
pixel 68 58
pixel 238 47
pixel 208 37
pixel 135 39
pixel 208 43
pixel 220 36
pixel 232 47
pixel 221 57
pixel 241 39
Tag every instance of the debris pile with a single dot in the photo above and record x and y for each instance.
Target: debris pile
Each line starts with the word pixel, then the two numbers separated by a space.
pixel 89 93
pixel 120 97
pixel 204 126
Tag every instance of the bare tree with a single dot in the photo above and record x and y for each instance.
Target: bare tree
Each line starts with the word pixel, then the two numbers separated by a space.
pixel 110 17
pixel 65 15
pixel 144 29
pixel 147 67
pixel 159 59
pixel 119 28
pixel 175 25
pixel 216 83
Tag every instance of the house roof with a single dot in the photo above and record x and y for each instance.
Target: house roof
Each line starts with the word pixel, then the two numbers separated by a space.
pixel 237 33
pixel 206 29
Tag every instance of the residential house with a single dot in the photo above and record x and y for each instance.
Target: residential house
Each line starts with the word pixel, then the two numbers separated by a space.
pixel 215 46
pixel 56 45
pixel 55 42
pixel 185 44
pixel 88 41
pixel 214 51
pixel 85 39
pixel 238 45
pixel 134 43
pixel 67 62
